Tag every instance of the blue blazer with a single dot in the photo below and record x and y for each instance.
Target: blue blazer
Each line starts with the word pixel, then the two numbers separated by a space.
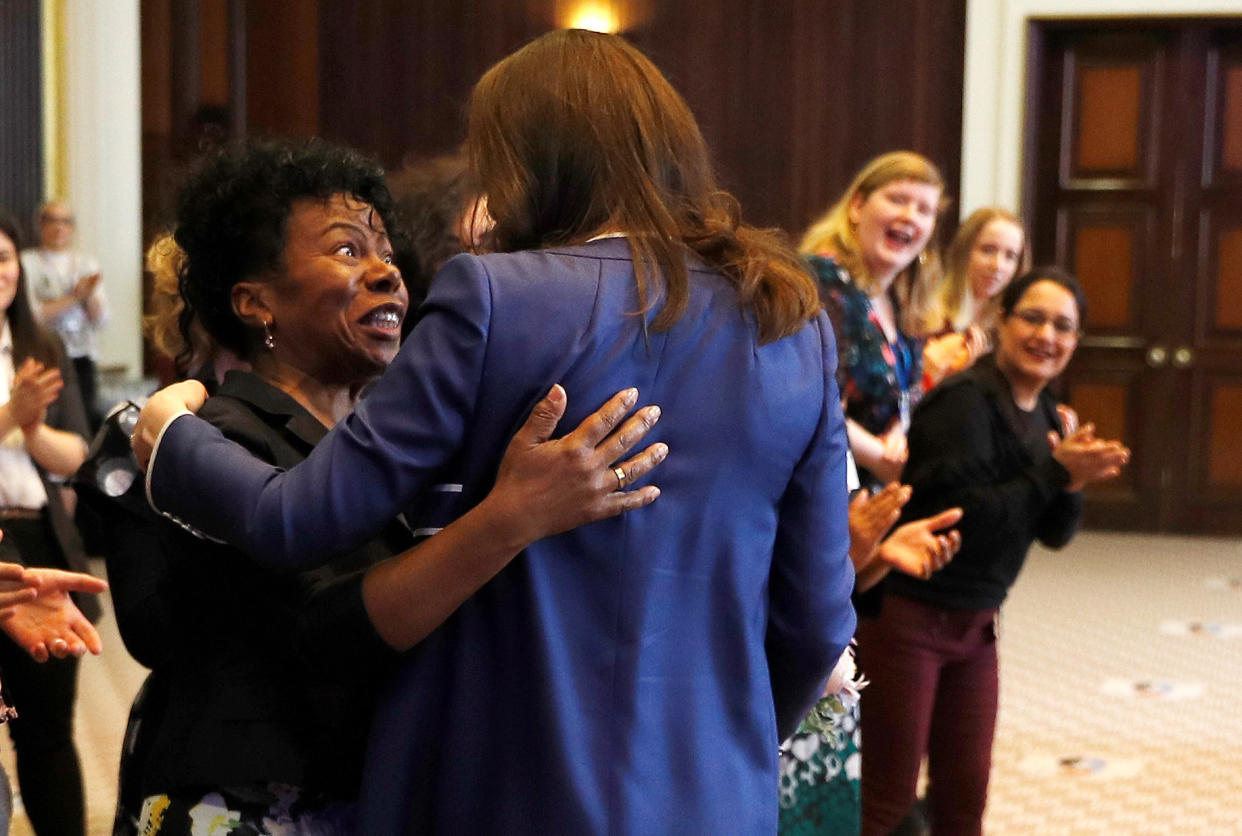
pixel 634 675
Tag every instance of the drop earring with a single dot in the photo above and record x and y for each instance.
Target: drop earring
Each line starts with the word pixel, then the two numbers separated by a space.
pixel 269 342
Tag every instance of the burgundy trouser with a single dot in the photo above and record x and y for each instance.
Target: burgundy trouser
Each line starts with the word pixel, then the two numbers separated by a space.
pixel 933 692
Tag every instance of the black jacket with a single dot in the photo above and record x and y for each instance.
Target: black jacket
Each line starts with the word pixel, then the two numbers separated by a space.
pixel 258 676
pixel 965 450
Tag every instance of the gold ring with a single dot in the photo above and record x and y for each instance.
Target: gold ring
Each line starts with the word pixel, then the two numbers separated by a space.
pixel 620 474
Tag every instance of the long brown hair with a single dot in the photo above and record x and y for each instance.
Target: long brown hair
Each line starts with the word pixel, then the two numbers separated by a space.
pixel 30 339
pixel 834 234
pixel 578 133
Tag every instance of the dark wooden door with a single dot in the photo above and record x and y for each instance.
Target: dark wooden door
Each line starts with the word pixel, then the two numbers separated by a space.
pixel 1136 185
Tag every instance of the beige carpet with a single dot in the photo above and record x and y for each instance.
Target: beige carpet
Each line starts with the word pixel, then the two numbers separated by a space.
pixel 1121 695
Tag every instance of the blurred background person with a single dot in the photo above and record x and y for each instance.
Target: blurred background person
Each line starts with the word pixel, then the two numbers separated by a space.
pixel 442 213
pixel 871 254
pixel 988 250
pixel 42 434
pixel 69 297
pixel 993 442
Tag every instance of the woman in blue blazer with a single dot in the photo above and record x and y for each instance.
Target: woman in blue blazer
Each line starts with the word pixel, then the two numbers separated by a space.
pixel 632 675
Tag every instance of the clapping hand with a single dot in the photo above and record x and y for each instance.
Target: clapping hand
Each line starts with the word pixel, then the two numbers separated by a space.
pixel 35 388
pixel 917 548
pixel 1087 458
pixel 870 518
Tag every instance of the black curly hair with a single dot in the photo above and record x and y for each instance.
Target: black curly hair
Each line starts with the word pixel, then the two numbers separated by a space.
pixel 233 212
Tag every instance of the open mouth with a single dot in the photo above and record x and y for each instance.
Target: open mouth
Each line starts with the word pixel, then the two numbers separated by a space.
pixel 385 317
pixel 899 237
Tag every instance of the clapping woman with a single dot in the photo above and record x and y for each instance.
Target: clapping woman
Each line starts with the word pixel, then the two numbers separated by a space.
pixel 870 253
pixel 42 429
pixel 990 441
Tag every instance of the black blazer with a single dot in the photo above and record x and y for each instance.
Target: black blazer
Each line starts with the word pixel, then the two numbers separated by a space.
pixel 258 675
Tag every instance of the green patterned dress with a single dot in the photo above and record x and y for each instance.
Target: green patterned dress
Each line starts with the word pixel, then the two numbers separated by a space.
pixel 820 768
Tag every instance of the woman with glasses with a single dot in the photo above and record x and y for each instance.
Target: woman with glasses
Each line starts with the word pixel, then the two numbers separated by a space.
pixel 994 442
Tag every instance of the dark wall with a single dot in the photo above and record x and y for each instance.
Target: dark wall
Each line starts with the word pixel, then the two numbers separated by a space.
pixel 21 110
pixel 793 95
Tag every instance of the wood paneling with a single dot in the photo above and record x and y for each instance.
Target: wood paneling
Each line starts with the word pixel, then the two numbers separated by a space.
pixel 283 68
pixel 21 109
pixel 1104 262
pixel 792 97
pixel 1231 145
pixel 1226 445
pixel 1102 404
pixel 1108 118
pixel 1228 285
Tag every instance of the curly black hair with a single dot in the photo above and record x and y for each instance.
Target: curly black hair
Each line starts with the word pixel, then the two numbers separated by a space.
pixel 233 212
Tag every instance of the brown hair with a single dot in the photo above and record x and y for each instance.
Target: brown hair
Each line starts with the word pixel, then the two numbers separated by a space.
pixel 834 234
pixel 953 300
pixel 578 133
pixel 30 339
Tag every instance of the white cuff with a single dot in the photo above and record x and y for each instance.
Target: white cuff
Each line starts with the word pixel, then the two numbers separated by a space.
pixel 155 449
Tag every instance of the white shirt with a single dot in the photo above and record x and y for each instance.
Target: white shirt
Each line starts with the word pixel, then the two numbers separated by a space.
pixel 51 275
pixel 20 485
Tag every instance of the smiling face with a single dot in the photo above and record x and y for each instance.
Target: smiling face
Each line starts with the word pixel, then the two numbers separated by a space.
pixel 1037 339
pixel 337 307
pixel 893 225
pixel 10 270
pixel 994 258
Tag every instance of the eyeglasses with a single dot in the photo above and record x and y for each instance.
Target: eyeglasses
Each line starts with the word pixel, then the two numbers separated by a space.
pixel 1036 319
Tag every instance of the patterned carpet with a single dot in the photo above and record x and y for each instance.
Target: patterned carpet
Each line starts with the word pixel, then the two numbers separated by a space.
pixel 1121 678
pixel 1121 697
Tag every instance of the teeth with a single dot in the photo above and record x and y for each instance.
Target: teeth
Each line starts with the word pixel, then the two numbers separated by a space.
pixel 385 318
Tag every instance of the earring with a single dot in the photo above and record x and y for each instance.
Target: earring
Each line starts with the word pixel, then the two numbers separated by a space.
pixel 268 341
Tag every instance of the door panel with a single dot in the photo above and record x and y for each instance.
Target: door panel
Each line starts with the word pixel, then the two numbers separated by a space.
pixel 1137 188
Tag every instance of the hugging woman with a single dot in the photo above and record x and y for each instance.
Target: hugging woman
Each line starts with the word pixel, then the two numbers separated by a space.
pixel 263 681
pixel 641 670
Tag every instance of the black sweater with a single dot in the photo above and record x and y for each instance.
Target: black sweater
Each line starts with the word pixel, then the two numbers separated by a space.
pixel 970 446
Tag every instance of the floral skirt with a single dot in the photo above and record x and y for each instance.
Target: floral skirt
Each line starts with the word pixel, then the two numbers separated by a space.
pixel 276 809
pixel 820 771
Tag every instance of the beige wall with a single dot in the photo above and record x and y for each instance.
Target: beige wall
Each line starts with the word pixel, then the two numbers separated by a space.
pixel 94 151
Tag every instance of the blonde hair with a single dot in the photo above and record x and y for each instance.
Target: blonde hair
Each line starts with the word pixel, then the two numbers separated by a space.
pixel 834 234
pixel 165 262
pixel 953 301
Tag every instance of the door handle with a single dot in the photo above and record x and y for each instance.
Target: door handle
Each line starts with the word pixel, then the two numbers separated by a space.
pixel 1157 357
pixel 1183 357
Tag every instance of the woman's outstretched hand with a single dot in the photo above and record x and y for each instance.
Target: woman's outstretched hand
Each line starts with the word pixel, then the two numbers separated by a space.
pixel 50 624
pixel 919 549
pixel 553 485
pixel 188 395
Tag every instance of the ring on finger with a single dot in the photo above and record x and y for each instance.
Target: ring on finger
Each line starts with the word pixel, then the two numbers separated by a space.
pixel 619 472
